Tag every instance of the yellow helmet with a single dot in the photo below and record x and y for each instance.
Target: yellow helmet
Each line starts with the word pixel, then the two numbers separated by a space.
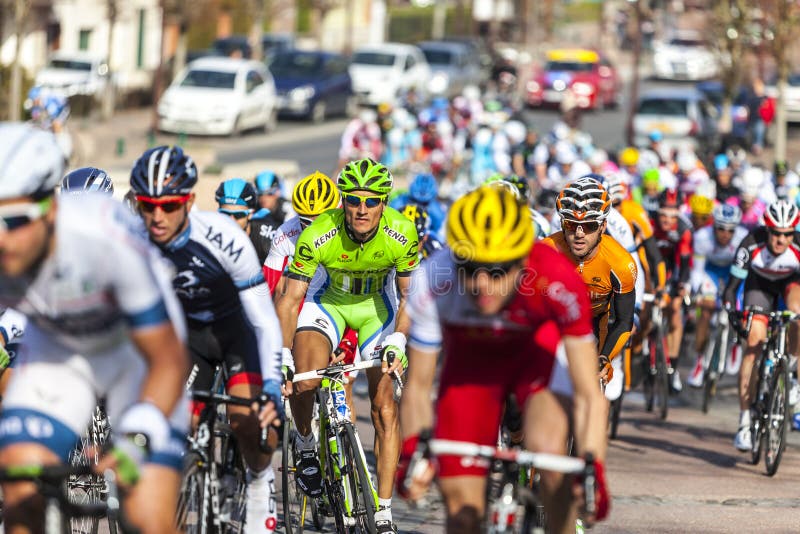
pixel 489 225
pixel 701 205
pixel 629 157
pixel 314 194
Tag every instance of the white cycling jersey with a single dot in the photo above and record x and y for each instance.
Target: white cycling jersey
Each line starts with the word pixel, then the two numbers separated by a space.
pixel 282 251
pixel 711 262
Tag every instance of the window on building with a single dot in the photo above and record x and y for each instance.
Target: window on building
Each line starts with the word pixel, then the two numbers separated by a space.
pixel 83 39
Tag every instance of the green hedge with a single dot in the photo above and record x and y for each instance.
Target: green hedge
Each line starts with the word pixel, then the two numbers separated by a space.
pixel 409 24
pixel 581 12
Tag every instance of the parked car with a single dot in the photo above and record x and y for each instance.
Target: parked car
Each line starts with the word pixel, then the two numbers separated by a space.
pixel 219 96
pixel 240 44
pixel 381 72
pixel 477 49
pixel 684 116
pixel 590 76
pixel 312 85
pixel 684 56
pixel 791 96
pixel 75 73
pixel 452 67
pixel 740 133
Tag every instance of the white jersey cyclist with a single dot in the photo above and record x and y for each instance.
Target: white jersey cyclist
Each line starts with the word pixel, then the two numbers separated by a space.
pixel 711 260
pixel 102 280
pixel 281 253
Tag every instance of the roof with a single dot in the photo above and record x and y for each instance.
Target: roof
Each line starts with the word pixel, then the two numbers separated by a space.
pixel 573 54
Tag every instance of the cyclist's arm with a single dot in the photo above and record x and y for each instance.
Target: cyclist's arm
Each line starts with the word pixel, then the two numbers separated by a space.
pixel 622 306
pixel 658 269
pixel 739 268
pixel 261 313
pixel 167 365
pixel 402 323
pixel 684 250
pixel 273 267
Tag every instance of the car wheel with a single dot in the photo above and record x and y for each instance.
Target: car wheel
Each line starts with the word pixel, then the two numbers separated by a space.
pixel 236 130
pixel 318 111
pixel 272 121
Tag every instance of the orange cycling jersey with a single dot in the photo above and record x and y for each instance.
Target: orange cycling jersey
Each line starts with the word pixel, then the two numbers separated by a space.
pixel 637 217
pixel 610 274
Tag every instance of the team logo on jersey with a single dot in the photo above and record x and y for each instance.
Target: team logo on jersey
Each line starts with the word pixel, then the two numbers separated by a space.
pixel 394 234
pixel 378 254
pixel 321 240
pixel 268 231
pixel 596 279
pixel 298 265
pixel 742 256
pixel 632 269
pixel 321 322
pixel 413 250
pixel 216 238
pixel 304 252
pixel 197 262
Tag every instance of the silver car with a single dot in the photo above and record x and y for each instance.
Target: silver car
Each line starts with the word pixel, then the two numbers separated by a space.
pixel 685 117
pixel 452 67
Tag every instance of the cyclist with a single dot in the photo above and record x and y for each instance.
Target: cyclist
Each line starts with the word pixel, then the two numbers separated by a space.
pixel 221 286
pixel 767 261
pixel 701 208
pixel 714 249
pixel 495 294
pixel 674 237
pixel 237 199
pixel 651 188
pixel 428 244
pixel 272 211
pixel 723 177
pixel 606 267
pixel 87 180
pixel 423 192
pixel 102 322
pixel 359 246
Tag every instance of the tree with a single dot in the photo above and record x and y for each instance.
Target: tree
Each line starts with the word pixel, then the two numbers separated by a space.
pixel 257 11
pixel 19 11
pixel 109 94
pixel 727 30
pixel 783 17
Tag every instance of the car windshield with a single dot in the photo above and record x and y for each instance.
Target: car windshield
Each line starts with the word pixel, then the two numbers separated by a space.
pixel 438 57
pixel 380 59
pixel 573 66
pixel 686 42
pixel 296 66
pixel 70 64
pixel 673 107
pixel 794 80
pixel 211 79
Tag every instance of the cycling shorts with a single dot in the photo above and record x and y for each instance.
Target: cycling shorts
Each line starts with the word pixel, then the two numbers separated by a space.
pixel 229 340
pixel 53 392
pixel 473 392
pixel 758 291
pixel 712 282
pixel 329 312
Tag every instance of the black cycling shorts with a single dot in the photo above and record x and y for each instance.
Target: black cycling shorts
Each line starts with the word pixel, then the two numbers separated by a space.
pixel 758 291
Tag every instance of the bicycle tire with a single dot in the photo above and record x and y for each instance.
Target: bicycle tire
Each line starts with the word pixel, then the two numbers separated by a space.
pixel 614 414
pixel 294 500
pixel 775 428
pixel 332 483
pixel 359 480
pixel 231 463
pixel 661 379
pixel 757 414
pixel 648 384
pixel 192 502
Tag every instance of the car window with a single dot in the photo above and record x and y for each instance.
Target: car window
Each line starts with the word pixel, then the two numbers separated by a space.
pixel 572 66
pixel 254 79
pixel 438 57
pixel 672 107
pixel 69 64
pixel 686 42
pixel 381 59
pixel 410 62
pixel 794 80
pixel 211 79
pixel 296 65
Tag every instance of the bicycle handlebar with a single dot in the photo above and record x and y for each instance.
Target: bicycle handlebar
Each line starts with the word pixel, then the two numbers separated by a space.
pixel 332 371
pixel 544 461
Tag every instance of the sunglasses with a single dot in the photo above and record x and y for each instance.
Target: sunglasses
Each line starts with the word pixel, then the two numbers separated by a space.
pixel 305 221
pixel 370 202
pixel 776 233
pixel 271 191
pixel 15 216
pixel 724 229
pixel 494 270
pixel 589 227
pixel 149 204
pixel 236 214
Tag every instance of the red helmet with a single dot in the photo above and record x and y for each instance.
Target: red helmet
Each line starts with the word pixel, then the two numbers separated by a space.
pixel 782 214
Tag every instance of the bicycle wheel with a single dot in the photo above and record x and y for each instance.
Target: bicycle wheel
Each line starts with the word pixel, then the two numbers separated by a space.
pixel 613 415
pixel 294 500
pixel 194 506
pixel 661 378
pixel 775 431
pixel 358 481
pixel 648 384
pixel 89 489
pixel 233 482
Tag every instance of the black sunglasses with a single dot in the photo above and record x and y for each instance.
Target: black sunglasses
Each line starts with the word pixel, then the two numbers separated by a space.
pixel 724 229
pixel 589 227
pixel 494 270
pixel 776 233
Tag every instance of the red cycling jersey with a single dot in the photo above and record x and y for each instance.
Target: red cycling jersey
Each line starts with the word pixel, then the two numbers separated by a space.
pixel 487 358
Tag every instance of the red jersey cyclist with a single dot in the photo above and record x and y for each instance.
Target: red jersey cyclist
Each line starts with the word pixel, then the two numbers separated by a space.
pixel 511 317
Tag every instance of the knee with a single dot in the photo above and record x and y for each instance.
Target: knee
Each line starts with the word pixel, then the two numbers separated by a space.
pixel 385 410
pixel 306 386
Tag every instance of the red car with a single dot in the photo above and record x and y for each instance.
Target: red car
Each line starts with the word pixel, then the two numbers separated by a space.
pixel 586 74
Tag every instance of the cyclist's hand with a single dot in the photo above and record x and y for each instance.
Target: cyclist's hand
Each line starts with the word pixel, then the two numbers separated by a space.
pixel 602 498
pixel 606 371
pixel 5 359
pixel 272 389
pixel 415 471
pixel 126 457
pixel 269 415
pixel 393 354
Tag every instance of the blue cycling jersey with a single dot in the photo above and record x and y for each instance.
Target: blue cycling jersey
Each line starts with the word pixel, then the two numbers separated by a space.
pixel 436 212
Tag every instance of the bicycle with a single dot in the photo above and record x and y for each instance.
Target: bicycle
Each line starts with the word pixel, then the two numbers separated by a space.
pixel 349 494
pixel 90 488
pixel 52 483
pixel 213 491
pixel 769 408
pixel 502 513
pixel 715 353
pixel 657 368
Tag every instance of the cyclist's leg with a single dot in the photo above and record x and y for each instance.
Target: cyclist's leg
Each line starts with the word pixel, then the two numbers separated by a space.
pixel 48 404
pixel 706 290
pixel 151 504
pixel 471 395
pixel 548 408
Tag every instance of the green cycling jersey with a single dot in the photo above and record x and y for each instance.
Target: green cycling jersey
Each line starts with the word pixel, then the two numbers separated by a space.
pixel 356 268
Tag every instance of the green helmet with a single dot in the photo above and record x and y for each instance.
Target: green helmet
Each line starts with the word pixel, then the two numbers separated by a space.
pixel 651 176
pixel 365 174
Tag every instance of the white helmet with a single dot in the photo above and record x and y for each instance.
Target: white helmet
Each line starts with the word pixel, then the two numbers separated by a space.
pixel 31 161
pixel 597 158
pixel 781 214
pixel 686 160
pixel 753 179
pixel 565 153
pixel 515 131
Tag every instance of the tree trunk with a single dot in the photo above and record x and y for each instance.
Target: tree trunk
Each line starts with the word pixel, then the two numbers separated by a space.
pixel 634 92
pixel 780 111
pixel 439 20
pixel 15 96
pixel 180 50
pixel 109 93
pixel 257 29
